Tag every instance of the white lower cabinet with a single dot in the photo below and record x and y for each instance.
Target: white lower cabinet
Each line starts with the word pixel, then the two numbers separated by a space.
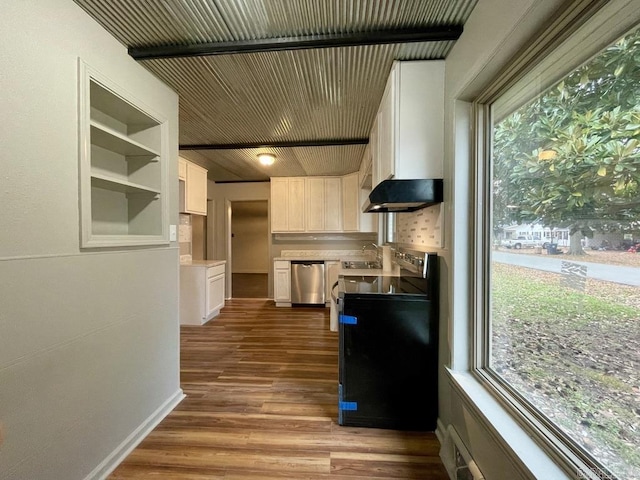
pixel 215 293
pixel 201 292
pixel 331 269
pixel 282 283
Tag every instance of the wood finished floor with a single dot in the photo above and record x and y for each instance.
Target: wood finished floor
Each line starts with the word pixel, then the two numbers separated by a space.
pixel 261 386
pixel 249 285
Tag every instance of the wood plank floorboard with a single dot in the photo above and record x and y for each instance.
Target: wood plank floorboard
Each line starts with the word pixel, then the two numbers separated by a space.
pixel 249 285
pixel 261 385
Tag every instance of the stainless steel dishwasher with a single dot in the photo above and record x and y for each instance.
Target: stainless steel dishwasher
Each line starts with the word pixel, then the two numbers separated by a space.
pixel 307 282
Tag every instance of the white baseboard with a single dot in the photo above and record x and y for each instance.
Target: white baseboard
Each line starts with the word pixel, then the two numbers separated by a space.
pixel 114 459
pixel 441 432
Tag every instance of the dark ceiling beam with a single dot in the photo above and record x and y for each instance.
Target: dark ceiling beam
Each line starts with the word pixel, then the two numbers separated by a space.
pixel 408 35
pixel 286 144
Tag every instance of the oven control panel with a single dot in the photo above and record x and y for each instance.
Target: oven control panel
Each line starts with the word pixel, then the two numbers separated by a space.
pixel 412 260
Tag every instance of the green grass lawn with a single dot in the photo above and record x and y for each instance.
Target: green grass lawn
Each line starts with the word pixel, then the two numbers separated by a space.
pixel 574 353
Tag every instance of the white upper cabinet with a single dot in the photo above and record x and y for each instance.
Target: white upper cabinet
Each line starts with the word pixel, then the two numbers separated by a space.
pixel 317 204
pixel 324 204
pixel 365 168
pixel 123 166
pixel 408 136
pixel 287 204
pixel 192 181
pixel 351 203
pixel 333 204
pixel 196 189
pixel 385 132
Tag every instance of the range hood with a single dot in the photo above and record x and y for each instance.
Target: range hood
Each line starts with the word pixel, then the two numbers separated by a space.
pixel 404 195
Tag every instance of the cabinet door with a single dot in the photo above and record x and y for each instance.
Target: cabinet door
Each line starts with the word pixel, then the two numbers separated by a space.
pixel 315 204
pixel 282 282
pixel 287 204
pixel 215 295
pixel 279 204
pixel 365 168
pixel 333 204
pixel 296 204
pixel 375 152
pixel 386 132
pixel 196 189
pixel 350 203
pixel 419 122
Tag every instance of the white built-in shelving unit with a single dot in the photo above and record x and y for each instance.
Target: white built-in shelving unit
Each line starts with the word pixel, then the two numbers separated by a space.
pixel 123 166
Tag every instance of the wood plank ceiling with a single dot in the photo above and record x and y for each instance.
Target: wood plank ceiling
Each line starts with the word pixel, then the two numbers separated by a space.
pixel 310 104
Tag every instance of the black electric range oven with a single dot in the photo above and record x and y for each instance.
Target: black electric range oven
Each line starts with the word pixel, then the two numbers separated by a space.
pixel 388 331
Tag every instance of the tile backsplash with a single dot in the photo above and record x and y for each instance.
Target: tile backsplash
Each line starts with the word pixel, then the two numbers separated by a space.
pixel 420 228
pixel 184 237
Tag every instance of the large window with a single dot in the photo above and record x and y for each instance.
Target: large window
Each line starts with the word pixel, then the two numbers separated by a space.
pixel 561 334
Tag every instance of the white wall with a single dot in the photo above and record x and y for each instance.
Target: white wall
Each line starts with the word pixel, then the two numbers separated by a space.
pixel 89 340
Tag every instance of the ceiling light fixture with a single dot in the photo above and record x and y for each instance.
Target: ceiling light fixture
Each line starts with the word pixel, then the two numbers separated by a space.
pixel 266 158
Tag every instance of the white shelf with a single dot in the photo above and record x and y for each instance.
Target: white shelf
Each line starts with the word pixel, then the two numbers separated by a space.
pixel 123 170
pixel 112 140
pixel 119 185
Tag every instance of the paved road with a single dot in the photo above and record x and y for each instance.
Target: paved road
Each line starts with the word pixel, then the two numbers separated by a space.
pixel 601 271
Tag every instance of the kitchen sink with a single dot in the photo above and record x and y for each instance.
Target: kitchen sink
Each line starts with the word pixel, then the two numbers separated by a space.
pixel 361 265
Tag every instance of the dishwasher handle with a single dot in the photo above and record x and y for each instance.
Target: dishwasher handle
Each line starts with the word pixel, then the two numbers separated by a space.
pixel 306 263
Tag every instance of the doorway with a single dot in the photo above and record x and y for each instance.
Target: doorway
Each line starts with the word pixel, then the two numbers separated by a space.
pixel 249 249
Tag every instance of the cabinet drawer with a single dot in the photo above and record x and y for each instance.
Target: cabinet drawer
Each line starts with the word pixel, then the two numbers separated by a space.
pixel 282 264
pixel 213 271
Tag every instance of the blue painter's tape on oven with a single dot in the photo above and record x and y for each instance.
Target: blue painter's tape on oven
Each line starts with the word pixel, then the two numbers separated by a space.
pixel 348 320
pixel 348 406
pixel 344 406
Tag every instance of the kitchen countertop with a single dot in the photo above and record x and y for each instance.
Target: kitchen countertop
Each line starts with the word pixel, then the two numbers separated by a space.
pixel 369 272
pixel 340 255
pixel 326 255
pixel 203 263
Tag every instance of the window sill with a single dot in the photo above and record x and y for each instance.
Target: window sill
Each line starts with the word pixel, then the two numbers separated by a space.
pixel 523 452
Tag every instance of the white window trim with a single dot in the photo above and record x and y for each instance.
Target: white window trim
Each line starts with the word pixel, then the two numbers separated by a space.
pixel 531 443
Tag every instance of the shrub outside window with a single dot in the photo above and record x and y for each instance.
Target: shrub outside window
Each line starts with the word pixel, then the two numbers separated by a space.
pixel 563 328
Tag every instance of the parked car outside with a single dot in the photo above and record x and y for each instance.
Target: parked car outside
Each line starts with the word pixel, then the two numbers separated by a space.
pixel 521 242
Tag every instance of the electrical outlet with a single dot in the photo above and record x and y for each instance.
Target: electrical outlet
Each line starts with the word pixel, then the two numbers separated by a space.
pixel 173 235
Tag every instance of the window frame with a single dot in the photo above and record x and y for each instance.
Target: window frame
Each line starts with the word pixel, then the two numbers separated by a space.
pixel 569 31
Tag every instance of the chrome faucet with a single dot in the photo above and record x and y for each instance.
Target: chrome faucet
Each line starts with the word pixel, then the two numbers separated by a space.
pixel 364 247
